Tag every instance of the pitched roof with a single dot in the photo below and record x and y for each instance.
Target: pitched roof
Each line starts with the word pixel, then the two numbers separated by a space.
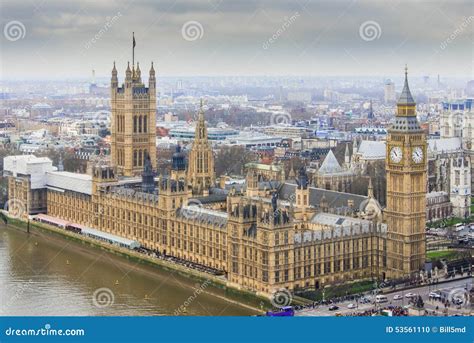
pixel 451 144
pixel 406 98
pixel 372 150
pixel 335 200
pixel 330 164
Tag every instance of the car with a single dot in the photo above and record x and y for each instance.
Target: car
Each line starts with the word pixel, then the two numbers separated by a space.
pixel 434 295
pixel 410 295
pixel 351 305
pixel 333 308
pixel 397 297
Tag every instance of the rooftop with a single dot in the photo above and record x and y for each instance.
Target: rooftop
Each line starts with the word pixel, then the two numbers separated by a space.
pixel 330 165
pixel 335 220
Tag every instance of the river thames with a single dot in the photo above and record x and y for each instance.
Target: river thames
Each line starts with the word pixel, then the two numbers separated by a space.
pixel 44 275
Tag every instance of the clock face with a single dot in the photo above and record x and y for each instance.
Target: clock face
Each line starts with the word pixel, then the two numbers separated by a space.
pixel 417 154
pixel 396 154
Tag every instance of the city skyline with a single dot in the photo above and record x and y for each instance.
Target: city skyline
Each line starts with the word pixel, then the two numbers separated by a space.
pixel 50 40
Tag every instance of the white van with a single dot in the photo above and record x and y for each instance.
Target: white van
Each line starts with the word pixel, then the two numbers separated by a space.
pixel 381 299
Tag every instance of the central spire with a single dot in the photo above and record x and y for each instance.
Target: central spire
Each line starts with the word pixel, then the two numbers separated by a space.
pixel 201 160
pixel 406 98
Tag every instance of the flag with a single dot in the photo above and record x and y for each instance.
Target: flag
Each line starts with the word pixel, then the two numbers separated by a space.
pixel 134 43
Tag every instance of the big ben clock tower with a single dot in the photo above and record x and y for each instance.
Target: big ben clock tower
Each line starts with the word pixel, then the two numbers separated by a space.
pixel 406 167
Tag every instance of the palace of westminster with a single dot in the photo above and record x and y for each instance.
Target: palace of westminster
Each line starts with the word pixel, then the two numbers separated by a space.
pixel 275 232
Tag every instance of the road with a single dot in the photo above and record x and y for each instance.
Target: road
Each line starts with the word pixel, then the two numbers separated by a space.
pixel 424 291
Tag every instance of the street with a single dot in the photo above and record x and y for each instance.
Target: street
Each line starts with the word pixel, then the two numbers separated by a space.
pixel 455 286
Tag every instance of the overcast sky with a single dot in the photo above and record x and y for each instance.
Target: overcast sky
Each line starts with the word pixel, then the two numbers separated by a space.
pixel 237 37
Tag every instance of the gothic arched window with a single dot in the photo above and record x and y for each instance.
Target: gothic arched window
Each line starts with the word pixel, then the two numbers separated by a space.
pixel 134 124
pixel 134 158
pixel 145 124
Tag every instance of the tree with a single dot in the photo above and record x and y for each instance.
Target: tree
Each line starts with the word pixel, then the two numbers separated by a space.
pixel 70 161
pixel 231 160
pixel 419 302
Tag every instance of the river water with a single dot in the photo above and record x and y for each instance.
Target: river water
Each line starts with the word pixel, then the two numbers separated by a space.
pixel 44 275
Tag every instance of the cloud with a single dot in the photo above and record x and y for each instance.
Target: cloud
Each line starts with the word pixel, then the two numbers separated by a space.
pixel 324 39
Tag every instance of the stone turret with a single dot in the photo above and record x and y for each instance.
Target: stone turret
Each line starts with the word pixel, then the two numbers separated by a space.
pixel 148 176
pixel 201 159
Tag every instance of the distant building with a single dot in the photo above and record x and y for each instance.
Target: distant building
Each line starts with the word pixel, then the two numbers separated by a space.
pixel 438 206
pixel 187 133
pixel 299 97
pixel 41 110
pixel 254 140
pixel 389 92
pixel 27 183
pixel 287 131
pixel 170 117
pixel 461 186
pixel 457 120
pixel 470 88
